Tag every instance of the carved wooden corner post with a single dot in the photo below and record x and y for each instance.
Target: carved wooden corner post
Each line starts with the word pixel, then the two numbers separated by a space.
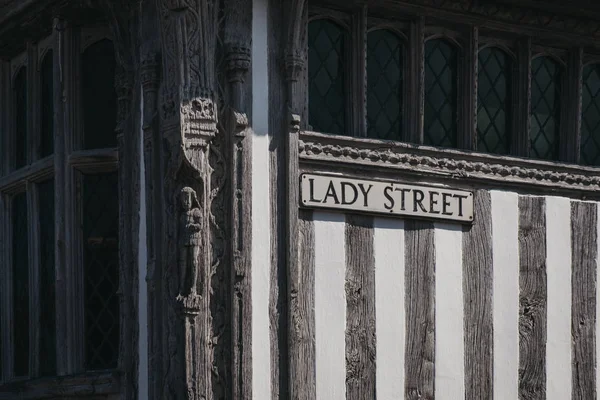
pixel 240 175
pixel 124 21
pixel 295 62
pixel 188 125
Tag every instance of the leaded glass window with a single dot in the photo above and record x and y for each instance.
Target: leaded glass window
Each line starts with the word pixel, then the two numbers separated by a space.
pixel 47 279
pixel 327 50
pixel 20 284
pixel 590 118
pixel 441 68
pixel 47 105
pixel 545 108
pixel 99 96
pixel 384 90
pixel 20 95
pixel 100 227
pixel 493 101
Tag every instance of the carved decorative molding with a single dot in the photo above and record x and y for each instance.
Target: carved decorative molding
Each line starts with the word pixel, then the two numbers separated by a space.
pixel 332 150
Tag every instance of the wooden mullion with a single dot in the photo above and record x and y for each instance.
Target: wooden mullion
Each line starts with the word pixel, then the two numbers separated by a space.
pixel 521 99
pixel 414 91
pixel 358 96
pixel 570 128
pixel 4 300
pixel 4 115
pixel 73 268
pixel 33 234
pixel 467 129
pixel 8 350
pixel 60 257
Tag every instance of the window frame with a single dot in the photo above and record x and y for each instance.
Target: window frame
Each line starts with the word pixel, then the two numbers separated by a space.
pixel 65 165
pixel 472 35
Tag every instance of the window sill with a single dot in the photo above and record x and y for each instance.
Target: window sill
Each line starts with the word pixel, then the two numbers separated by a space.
pixel 79 386
pixel 333 152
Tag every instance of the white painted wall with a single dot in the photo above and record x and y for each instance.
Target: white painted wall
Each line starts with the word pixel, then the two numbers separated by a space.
pixel 261 200
pixel 449 313
pixel 558 267
pixel 330 312
pixel 390 309
pixel 505 253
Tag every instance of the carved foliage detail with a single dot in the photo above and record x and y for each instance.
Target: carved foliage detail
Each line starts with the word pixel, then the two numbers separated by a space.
pixel 460 168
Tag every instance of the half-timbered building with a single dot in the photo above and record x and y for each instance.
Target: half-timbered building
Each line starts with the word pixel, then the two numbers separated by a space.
pixel 299 199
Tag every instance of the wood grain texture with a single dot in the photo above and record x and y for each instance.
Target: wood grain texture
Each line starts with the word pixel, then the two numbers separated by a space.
pixel 477 287
pixel 584 249
pixel 302 330
pixel 360 308
pixel 533 298
pixel 279 128
pixel 420 310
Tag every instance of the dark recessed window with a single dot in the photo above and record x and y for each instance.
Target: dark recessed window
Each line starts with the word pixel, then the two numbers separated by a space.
pixel 493 101
pixel 20 284
pixel 384 90
pixel 99 96
pixel 590 118
pixel 20 96
pixel 327 43
pixel 441 67
pixel 545 108
pixel 100 234
pixel 47 105
pixel 47 280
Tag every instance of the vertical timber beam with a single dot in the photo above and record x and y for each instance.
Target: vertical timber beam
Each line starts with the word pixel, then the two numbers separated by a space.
pixel 60 256
pixel 238 33
pixel 150 81
pixel 192 228
pixel 124 23
pixel 296 97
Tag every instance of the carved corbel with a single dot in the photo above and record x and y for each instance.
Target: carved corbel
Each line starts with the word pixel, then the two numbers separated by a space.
pixel 295 55
pixel 237 64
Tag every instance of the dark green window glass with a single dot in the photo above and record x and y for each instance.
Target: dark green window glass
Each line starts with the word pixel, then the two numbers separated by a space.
pixel 384 90
pixel 545 108
pixel 590 118
pixel 441 64
pixel 100 228
pixel 99 96
pixel 20 95
pixel 493 101
pixel 47 280
pixel 20 284
pixel 327 91
pixel 47 105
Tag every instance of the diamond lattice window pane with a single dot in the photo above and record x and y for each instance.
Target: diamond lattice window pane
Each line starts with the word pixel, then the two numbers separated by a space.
pixel 441 64
pixel 100 217
pixel 99 96
pixel 20 285
pixel 47 105
pixel 47 279
pixel 20 96
pixel 384 90
pixel 545 108
pixel 493 101
pixel 590 118
pixel 327 92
